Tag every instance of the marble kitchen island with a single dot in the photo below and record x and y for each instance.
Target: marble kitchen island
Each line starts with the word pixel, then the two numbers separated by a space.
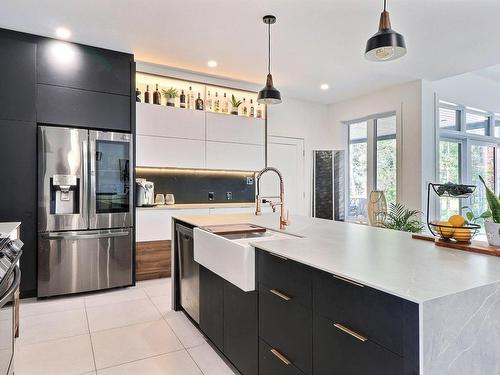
pixel 457 294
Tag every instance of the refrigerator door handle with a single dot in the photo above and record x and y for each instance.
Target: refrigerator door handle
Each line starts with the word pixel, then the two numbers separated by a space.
pixel 92 182
pixel 85 182
pixel 86 235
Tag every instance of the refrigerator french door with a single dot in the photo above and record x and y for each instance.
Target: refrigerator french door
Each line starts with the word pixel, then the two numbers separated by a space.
pixel 85 210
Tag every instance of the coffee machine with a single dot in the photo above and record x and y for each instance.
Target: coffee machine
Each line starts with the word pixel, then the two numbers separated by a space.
pixel 145 192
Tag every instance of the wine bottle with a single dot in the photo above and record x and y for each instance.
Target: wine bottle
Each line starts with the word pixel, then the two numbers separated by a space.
pixel 259 111
pixel 245 109
pixel 182 100
pixel 225 104
pixel 199 103
pixel 252 109
pixel 208 102
pixel 216 102
pixel 146 95
pixel 137 95
pixel 156 96
pixel 190 98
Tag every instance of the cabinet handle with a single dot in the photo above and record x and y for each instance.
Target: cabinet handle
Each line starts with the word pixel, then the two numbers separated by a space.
pixel 281 357
pixel 350 332
pixel 349 281
pixel 280 295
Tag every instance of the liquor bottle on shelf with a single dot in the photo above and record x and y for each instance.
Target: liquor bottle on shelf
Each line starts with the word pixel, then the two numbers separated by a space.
pixel 208 102
pixel 182 100
pixel 146 95
pixel 137 95
pixel 259 111
pixel 199 103
pixel 216 103
pixel 157 96
pixel 190 98
pixel 225 104
pixel 244 110
pixel 252 109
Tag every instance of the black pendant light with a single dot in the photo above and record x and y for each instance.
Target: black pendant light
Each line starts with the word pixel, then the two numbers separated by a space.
pixel 269 94
pixel 386 44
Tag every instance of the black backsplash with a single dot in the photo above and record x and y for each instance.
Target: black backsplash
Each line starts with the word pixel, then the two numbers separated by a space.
pixel 193 187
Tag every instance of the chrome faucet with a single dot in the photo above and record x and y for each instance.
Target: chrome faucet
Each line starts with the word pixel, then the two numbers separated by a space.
pixel 281 202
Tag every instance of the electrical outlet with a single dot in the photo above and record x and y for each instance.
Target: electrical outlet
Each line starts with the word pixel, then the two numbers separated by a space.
pixel 229 195
pixel 211 195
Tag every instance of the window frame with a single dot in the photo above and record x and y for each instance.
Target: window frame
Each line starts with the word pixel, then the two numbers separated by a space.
pixel 467 140
pixel 371 156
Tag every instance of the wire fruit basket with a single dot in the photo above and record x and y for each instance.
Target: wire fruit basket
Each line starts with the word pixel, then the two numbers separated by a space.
pixel 444 230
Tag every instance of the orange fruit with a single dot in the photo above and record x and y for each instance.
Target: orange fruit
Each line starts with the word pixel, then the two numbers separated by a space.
pixel 457 220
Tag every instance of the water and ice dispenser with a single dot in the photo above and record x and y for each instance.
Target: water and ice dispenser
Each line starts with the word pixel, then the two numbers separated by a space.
pixel 64 194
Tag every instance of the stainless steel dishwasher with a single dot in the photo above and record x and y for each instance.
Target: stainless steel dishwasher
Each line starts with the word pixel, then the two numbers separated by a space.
pixel 189 273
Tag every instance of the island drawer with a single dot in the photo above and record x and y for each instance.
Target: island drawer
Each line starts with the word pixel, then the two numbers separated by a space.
pixel 375 314
pixel 336 351
pixel 273 362
pixel 286 324
pixel 286 276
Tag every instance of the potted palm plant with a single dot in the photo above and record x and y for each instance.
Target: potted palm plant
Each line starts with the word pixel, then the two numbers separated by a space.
pixel 403 219
pixel 492 218
pixel 235 104
pixel 170 96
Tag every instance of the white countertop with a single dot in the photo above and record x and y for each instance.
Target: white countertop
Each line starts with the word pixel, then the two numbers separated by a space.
pixel 6 229
pixel 387 260
pixel 197 205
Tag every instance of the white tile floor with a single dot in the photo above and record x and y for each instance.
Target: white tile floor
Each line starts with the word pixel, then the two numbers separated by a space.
pixel 119 332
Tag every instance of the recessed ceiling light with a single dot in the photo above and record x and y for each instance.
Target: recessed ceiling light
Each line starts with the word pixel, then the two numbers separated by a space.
pixel 63 33
pixel 324 86
pixel 212 63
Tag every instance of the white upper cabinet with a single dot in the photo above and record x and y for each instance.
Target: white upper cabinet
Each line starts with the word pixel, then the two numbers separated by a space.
pixel 153 151
pixel 163 121
pixel 236 156
pixel 232 128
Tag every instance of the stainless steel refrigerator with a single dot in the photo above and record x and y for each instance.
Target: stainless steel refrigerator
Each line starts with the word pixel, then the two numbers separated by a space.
pixel 85 210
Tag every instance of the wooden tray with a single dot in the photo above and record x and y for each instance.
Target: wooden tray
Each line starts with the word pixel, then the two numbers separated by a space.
pixel 473 247
pixel 234 229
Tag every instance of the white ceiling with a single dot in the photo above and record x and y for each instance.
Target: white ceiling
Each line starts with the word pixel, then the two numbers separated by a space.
pixel 315 41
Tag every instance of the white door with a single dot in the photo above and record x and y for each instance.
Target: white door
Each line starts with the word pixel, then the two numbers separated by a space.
pixel 287 155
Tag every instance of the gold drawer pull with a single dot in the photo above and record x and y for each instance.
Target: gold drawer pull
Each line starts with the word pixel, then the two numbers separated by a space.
pixel 348 281
pixel 280 295
pixel 281 357
pixel 350 332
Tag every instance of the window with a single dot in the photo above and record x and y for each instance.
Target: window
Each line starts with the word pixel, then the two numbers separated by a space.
pixel 386 157
pixel 467 152
pixel 372 163
pixel 476 123
pixel 449 118
pixel 450 152
pixel 358 169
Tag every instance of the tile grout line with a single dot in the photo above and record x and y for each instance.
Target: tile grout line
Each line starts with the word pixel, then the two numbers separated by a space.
pixel 142 359
pixel 175 334
pixel 90 335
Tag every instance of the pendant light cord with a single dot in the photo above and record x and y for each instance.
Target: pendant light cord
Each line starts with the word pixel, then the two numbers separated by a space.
pixel 385 5
pixel 269 48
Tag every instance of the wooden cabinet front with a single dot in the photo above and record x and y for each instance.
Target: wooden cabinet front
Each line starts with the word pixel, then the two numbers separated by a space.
pixel 153 260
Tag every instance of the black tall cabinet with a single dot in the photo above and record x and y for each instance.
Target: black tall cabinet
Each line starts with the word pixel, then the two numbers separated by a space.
pixel 46 81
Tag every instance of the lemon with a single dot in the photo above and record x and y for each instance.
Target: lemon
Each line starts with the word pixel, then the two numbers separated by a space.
pixel 446 232
pixel 462 234
pixel 457 220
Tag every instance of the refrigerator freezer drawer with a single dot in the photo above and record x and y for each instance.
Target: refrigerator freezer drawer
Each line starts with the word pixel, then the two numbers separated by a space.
pixel 73 262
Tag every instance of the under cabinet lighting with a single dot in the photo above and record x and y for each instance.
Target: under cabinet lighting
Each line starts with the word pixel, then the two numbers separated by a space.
pixel 63 33
pixel 324 86
pixel 212 63
pixel 160 170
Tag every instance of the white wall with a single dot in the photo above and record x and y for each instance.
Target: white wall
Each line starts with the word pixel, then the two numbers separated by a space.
pixel 306 120
pixel 413 103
